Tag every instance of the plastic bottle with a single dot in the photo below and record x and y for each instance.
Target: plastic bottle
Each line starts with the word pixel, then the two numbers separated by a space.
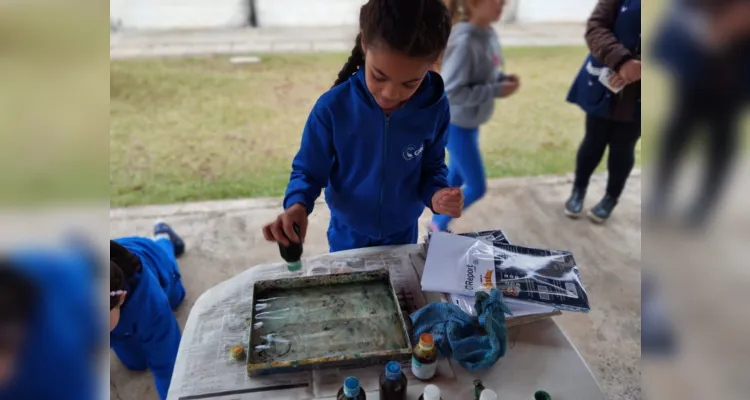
pixel 351 390
pixel 478 388
pixel 431 392
pixel 292 253
pixel 488 394
pixel 424 358
pixel 392 382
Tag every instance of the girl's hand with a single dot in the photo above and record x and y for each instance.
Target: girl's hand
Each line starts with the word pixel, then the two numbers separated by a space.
pixel 284 225
pixel 448 201
pixel 508 86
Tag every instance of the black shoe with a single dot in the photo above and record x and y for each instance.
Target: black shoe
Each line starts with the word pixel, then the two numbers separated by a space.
pixel 603 209
pixel 177 242
pixel 574 205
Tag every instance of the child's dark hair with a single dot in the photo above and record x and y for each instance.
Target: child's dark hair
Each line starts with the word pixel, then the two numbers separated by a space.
pixel 18 299
pixel 123 265
pixel 417 28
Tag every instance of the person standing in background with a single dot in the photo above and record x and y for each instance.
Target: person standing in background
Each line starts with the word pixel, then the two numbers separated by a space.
pixel 613 115
pixel 473 78
pixel 705 47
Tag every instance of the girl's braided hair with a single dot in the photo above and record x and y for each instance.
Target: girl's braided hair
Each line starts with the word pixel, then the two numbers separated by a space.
pixel 123 265
pixel 417 28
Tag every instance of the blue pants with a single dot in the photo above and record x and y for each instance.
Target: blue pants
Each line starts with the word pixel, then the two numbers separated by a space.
pixel 465 168
pixel 174 289
pixel 341 237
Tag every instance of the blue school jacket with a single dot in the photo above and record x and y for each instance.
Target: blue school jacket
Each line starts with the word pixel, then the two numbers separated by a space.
pixel 379 171
pixel 147 328
pixel 66 330
pixel 587 92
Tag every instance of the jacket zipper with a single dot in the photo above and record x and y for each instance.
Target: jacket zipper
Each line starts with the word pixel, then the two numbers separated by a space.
pixel 382 176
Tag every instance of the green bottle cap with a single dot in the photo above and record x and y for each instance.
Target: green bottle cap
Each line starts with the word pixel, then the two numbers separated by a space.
pixel 294 266
pixel 542 395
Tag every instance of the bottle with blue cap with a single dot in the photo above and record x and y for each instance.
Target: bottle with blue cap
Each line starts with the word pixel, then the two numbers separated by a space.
pixel 351 390
pixel 392 382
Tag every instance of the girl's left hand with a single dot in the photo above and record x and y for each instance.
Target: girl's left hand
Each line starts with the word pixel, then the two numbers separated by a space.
pixel 448 201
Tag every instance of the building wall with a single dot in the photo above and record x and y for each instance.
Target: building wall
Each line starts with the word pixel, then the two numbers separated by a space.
pixel 195 14
pixel 178 14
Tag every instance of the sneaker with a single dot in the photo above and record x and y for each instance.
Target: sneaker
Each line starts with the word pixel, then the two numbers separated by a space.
pixel 603 209
pixel 574 205
pixel 179 245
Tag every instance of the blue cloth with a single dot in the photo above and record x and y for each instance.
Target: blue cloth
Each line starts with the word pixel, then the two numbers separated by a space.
pixel 379 171
pixel 456 335
pixel 587 92
pixel 147 335
pixel 465 167
pixel 342 237
pixel 56 361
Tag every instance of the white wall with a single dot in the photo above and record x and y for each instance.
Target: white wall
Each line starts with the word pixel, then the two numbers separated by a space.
pixel 178 14
pixel 530 11
pixel 307 12
pixel 185 14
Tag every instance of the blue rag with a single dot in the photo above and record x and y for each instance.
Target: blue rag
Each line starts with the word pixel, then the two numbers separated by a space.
pixel 456 334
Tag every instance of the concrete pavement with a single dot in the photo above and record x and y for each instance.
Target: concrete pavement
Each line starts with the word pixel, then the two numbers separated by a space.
pixel 224 238
pixel 140 44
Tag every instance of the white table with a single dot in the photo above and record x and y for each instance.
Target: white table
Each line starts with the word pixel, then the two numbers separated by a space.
pixel 539 355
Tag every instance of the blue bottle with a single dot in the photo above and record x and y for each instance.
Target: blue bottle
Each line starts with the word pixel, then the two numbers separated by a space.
pixel 351 390
pixel 392 382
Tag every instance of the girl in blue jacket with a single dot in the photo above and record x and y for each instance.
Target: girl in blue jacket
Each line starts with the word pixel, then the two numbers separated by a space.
pixel 376 140
pixel 145 287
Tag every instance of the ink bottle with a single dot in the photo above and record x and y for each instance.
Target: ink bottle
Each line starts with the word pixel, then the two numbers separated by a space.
pixel 392 382
pixel 351 390
pixel 292 253
pixel 424 358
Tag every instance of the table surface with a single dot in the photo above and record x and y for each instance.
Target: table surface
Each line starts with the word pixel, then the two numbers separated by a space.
pixel 539 356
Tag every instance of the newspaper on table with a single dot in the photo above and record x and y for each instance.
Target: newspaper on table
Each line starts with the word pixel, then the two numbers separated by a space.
pixel 219 318
pixel 460 264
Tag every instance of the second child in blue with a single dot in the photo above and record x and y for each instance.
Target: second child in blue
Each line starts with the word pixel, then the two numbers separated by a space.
pixel 376 140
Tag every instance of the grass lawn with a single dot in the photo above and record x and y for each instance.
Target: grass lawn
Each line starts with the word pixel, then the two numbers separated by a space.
pixel 200 129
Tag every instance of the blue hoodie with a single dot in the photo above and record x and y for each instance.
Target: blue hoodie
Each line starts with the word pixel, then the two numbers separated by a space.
pixel 66 330
pixel 379 171
pixel 147 335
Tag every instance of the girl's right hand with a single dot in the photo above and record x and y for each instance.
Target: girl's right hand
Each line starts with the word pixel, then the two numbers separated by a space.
pixel 284 225
pixel 509 87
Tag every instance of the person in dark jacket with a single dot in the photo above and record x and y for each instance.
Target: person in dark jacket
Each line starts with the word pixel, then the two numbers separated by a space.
pixel 145 286
pixel 705 46
pixel 376 140
pixel 613 118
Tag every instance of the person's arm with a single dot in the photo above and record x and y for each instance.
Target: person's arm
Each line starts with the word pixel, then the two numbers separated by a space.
pixel 434 171
pixel 456 72
pixel 311 167
pixel 600 39
pixel 160 345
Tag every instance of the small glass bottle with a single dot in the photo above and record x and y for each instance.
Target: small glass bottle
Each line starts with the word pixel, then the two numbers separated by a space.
pixel 351 390
pixel 431 392
pixel 424 358
pixel 392 382
pixel 292 254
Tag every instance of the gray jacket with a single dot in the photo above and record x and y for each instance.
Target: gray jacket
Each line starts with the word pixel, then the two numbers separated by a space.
pixel 471 71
